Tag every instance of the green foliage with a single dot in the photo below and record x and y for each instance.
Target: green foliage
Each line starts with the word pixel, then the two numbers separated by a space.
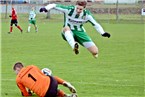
pixel 118 71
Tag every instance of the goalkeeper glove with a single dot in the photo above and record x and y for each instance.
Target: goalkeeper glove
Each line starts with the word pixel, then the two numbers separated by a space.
pixel 106 35
pixel 29 92
pixel 47 8
pixel 71 88
pixel 10 16
pixel 43 9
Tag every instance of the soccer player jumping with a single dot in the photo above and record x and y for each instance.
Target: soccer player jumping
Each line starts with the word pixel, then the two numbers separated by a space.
pixel 73 30
pixel 14 21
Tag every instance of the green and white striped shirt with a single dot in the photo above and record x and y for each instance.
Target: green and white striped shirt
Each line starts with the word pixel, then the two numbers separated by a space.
pixel 32 15
pixel 75 21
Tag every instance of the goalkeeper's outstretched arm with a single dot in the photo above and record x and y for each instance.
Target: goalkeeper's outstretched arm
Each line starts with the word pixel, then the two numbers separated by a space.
pixel 66 84
pixel 23 90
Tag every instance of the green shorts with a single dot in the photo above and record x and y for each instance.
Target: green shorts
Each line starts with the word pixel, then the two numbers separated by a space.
pixel 79 36
pixel 32 22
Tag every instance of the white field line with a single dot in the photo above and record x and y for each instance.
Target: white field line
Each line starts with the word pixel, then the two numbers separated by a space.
pixel 87 83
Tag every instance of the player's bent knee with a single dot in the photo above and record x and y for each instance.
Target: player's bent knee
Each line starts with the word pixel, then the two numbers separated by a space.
pixel 93 50
pixel 94 53
pixel 66 29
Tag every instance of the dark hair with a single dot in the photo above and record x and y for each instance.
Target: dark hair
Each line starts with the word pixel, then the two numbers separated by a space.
pixel 81 3
pixel 18 64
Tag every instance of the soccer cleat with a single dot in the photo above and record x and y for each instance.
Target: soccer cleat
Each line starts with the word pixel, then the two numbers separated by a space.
pixel 9 32
pixel 21 31
pixel 36 30
pixel 76 48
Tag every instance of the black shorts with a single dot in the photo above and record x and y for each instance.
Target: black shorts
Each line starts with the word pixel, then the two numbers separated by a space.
pixel 52 91
pixel 14 22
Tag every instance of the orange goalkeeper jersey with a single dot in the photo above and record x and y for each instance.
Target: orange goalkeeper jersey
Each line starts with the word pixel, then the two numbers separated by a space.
pixel 31 77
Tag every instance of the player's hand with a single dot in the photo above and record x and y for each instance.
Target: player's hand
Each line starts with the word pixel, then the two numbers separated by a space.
pixel 43 9
pixel 106 35
pixel 10 16
pixel 31 18
pixel 29 92
pixel 71 88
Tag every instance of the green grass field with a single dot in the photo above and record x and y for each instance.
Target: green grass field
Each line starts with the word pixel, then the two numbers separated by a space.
pixel 118 71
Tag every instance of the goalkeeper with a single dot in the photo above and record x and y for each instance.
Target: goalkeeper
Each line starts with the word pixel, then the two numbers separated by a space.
pixel 73 31
pixel 31 78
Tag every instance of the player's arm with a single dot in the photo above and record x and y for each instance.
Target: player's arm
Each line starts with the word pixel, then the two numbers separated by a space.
pixel 34 15
pixel 11 15
pixel 59 80
pixel 97 26
pixel 58 7
pixel 62 8
pixel 30 17
pixel 23 90
pixel 66 84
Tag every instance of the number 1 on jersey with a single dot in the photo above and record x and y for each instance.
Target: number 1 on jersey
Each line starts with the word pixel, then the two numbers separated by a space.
pixel 29 75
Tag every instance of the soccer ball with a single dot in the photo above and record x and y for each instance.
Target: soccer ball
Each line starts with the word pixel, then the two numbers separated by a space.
pixel 46 71
pixel 74 95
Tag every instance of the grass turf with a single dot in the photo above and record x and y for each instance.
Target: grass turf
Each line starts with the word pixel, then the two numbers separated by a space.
pixel 118 72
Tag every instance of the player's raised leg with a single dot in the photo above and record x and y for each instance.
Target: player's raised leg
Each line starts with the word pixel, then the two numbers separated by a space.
pixel 92 48
pixel 70 39
pixel 94 51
